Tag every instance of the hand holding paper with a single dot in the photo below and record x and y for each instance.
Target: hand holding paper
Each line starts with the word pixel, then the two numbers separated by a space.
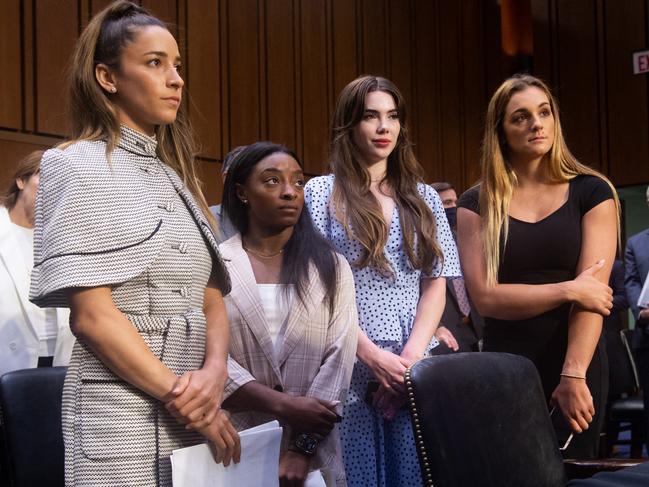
pixel 259 465
pixel 223 439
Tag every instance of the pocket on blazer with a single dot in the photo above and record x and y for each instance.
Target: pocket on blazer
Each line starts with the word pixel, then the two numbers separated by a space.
pixel 117 421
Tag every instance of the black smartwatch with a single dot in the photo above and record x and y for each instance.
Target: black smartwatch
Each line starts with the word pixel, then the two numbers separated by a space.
pixel 305 444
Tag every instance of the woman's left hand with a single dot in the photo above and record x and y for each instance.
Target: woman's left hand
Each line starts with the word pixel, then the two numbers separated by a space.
pixel 224 440
pixel 387 403
pixel 198 397
pixel 573 398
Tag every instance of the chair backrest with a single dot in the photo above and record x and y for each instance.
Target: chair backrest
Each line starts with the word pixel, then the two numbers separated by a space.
pixel 625 335
pixel 481 419
pixel 31 417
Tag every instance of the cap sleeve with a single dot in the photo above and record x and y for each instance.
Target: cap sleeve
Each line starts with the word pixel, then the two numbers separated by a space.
pixel 450 266
pixel 591 191
pixel 470 199
pixel 95 223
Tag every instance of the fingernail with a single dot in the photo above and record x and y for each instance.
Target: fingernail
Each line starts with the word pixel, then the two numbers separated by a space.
pixel 335 403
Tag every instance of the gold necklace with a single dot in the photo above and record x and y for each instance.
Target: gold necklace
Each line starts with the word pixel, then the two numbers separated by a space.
pixel 260 254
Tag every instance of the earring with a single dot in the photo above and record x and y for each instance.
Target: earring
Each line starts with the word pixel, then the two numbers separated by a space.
pixel 245 202
pixel 113 89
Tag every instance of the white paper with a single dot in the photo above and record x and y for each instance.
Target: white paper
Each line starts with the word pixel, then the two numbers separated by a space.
pixel 259 465
pixel 315 479
pixel 643 300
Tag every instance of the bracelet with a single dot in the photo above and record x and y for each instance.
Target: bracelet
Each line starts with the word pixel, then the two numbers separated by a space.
pixel 572 376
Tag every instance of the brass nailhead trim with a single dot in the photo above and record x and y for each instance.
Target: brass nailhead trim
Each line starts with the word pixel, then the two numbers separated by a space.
pixel 420 441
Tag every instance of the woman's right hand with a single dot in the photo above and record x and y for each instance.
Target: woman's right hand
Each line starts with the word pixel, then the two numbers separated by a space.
pixel 590 293
pixel 389 369
pixel 309 414
pixel 223 439
pixel 197 396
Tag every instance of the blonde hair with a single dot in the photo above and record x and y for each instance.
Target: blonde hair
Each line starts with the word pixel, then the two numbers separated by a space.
pixel 92 112
pixel 353 202
pixel 499 179
pixel 26 168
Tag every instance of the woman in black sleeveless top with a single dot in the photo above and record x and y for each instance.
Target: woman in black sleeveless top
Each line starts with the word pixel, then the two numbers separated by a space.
pixel 537 240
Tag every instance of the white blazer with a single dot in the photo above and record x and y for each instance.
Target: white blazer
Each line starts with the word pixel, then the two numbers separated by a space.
pixel 18 316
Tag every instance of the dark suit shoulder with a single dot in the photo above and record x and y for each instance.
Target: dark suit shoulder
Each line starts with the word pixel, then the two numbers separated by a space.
pixel 639 237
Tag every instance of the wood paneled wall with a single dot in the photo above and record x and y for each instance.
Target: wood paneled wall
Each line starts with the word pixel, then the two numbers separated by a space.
pixel 271 69
pixel 584 48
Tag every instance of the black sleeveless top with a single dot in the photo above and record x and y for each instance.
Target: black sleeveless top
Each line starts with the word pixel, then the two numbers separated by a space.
pixel 543 252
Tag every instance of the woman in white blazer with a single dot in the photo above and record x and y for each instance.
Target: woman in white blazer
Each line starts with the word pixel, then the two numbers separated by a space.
pixel 27 332
pixel 292 316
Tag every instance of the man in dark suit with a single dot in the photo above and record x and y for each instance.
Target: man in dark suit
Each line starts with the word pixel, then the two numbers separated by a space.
pixel 636 259
pixel 461 326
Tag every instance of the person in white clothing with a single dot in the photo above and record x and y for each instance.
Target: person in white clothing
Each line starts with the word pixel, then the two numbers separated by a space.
pixel 29 336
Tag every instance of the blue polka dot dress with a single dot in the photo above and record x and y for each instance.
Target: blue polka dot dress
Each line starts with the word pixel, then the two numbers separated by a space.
pixel 375 451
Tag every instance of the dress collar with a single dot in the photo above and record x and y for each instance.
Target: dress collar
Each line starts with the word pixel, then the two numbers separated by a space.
pixel 137 142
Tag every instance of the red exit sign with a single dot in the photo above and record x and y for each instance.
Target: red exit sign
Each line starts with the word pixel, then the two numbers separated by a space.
pixel 641 62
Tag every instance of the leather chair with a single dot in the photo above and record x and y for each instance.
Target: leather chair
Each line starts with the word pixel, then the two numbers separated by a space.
pixel 628 408
pixel 481 419
pixel 31 417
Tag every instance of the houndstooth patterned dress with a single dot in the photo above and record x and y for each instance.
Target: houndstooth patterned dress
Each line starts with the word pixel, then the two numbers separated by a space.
pixel 129 224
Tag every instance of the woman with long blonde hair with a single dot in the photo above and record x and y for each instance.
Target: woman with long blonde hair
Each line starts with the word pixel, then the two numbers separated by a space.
pixel 122 238
pixel 537 240
pixel 392 229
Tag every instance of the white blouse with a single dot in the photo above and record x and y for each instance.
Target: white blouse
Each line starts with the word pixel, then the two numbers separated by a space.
pixel 277 303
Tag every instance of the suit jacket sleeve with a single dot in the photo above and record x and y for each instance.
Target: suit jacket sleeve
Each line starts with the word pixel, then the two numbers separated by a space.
pixel 332 380
pixel 331 383
pixel 238 377
pixel 632 280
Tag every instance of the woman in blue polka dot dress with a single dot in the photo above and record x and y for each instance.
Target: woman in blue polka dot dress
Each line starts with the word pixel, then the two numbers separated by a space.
pixel 392 229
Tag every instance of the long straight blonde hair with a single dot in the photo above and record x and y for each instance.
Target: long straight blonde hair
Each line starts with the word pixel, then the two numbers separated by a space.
pixel 499 179
pixel 354 204
pixel 93 114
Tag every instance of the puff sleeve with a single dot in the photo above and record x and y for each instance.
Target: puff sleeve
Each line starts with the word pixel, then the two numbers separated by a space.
pixel 317 196
pixel 95 222
pixel 450 265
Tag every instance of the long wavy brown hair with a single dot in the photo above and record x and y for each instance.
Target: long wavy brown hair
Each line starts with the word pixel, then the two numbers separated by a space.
pixel 499 179
pixel 92 112
pixel 354 204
